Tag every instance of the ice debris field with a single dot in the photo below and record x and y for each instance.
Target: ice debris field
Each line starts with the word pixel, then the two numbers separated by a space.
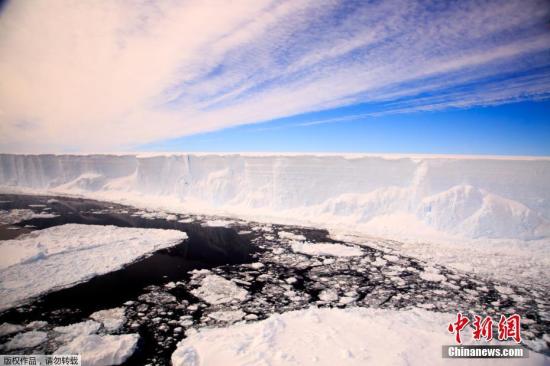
pixel 473 234
pixel 352 302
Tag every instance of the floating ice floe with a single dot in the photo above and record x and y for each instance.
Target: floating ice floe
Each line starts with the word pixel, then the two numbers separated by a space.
pixel 291 236
pixel 155 215
pixel 356 336
pixel 328 295
pixel 328 249
pixel 227 316
pixel 97 350
pixel 432 274
pixel 157 298
pixel 112 319
pixel 215 290
pixel 17 215
pixel 379 262
pixel 64 255
pixel 504 290
pixel 37 324
pixel 257 265
pixel 219 223
pixel 69 332
pixel 26 340
pixel 8 328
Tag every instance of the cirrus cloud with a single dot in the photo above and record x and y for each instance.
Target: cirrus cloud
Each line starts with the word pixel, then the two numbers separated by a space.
pixel 111 75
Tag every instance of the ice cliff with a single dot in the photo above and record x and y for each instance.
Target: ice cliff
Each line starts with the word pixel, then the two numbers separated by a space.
pixel 470 197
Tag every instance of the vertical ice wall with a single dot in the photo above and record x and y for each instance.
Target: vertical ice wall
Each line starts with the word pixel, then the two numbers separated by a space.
pixel 473 197
pixel 48 171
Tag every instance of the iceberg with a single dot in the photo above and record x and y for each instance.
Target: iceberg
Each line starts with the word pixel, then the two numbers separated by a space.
pixel 460 196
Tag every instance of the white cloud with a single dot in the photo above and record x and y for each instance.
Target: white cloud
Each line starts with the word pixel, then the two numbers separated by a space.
pixel 110 75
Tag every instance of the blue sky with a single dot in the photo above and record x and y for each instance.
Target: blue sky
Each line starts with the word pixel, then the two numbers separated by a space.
pixel 418 76
pixel 521 128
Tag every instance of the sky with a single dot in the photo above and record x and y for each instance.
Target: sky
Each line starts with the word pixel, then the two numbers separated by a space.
pixel 394 76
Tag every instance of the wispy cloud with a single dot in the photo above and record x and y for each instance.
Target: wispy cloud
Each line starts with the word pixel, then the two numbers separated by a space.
pixel 107 75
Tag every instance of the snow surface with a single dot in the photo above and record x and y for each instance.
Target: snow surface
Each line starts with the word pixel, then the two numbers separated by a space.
pixel 64 255
pixel 97 350
pixel 355 336
pixel 327 249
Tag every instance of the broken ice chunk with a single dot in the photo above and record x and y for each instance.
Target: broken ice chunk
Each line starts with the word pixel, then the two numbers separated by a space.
pixel 102 350
pixel 217 290
pixel 112 319
pixel 27 340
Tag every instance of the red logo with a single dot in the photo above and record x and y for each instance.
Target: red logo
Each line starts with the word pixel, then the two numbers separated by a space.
pixel 483 328
pixel 508 327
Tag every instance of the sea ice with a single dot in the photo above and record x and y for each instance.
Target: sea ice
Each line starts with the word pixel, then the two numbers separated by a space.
pixel 112 319
pixel 64 255
pixel 17 215
pixel 26 340
pixel 227 316
pixel 291 236
pixel 355 336
pixel 328 249
pixel 217 290
pixel 219 223
pixel 69 332
pixel 431 274
pixel 97 350
pixel 8 328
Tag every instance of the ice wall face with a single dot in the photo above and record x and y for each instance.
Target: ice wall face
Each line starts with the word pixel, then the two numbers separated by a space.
pixel 49 171
pixel 464 197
